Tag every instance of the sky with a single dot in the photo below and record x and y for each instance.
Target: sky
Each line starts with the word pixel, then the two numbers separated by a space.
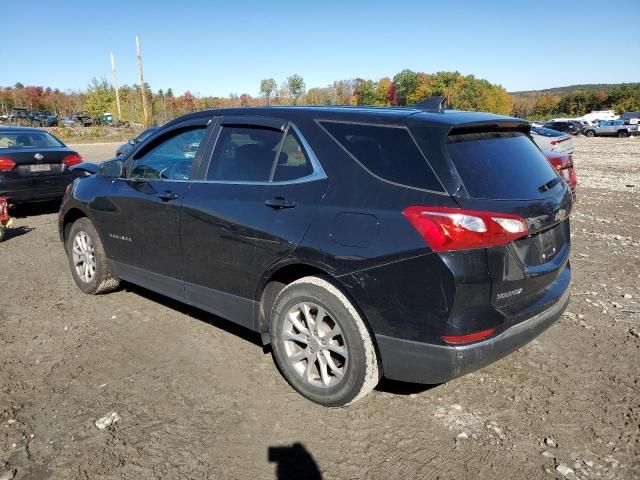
pixel 222 47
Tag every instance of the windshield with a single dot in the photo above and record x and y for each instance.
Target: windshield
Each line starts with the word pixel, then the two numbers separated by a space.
pixel 28 139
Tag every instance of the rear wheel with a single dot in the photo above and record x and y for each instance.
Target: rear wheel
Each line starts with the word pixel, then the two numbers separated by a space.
pixel 87 259
pixel 590 133
pixel 623 134
pixel 321 344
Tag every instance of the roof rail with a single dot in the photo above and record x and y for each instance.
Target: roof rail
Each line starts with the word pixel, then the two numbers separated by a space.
pixel 433 104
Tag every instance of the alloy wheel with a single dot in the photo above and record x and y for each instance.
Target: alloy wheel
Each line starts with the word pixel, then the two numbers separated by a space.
pixel 315 345
pixel 84 257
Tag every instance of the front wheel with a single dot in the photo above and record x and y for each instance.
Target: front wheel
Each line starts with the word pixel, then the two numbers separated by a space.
pixel 623 134
pixel 321 344
pixel 590 133
pixel 87 259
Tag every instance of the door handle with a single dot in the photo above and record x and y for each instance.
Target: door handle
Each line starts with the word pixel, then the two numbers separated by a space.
pixel 167 196
pixel 279 202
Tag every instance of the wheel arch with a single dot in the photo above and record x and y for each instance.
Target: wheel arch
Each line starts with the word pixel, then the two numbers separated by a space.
pixel 70 217
pixel 282 275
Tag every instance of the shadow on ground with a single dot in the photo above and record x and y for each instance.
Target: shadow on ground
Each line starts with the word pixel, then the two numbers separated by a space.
pixel 389 386
pixel 294 463
pixel 209 318
pixel 25 210
pixel 10 233
pixel 403 388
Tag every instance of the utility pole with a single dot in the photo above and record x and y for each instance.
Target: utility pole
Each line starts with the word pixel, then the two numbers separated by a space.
pixel 115 85
pixel 142 90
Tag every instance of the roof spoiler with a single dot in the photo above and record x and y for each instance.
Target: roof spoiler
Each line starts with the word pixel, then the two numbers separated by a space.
pixel 433 104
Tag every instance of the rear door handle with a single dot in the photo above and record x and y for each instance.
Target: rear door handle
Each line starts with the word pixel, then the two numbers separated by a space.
pixel 167 196
pixel 279 202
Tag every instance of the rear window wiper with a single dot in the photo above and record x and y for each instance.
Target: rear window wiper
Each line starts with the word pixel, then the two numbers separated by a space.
pixel 549 185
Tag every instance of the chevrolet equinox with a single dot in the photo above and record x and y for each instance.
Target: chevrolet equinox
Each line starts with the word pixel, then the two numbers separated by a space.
pixel 359 242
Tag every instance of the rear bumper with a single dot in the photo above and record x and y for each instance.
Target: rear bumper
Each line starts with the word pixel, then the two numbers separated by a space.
pixel 411 361
pixel 35 189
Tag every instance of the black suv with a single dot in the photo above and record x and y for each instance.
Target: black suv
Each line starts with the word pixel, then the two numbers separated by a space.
pixel 359 242
pixel 570 127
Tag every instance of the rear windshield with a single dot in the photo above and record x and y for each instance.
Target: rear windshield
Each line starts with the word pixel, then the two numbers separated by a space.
pixel 388 152
pixel 547 132
pixel 501 165
pixel 28 140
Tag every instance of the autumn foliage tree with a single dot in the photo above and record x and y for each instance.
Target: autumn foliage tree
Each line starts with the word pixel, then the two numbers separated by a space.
pixel 465 92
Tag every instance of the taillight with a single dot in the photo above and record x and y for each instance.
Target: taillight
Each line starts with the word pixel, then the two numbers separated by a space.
pixel 446 229
pixel 72 159
pixel 472 337
pixel 6 164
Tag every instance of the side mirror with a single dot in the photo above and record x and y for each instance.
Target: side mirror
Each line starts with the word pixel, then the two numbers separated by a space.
pixel 111 168
pixel 132 142
pixel 84 169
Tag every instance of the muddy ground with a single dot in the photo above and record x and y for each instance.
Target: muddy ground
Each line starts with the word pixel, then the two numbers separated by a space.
pixel 198 398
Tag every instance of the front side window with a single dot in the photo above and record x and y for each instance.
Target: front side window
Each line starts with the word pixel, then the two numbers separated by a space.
pixel 172 158
pixel 257 154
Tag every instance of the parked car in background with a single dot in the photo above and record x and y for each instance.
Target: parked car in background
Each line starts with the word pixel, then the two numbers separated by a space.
pixel 133 142
pixel 34 165
pixel 266 217
pixel 85 119
pixel 611 128
pixel 571 127
pixel 552 140
pixel 563 164
pixel 43 119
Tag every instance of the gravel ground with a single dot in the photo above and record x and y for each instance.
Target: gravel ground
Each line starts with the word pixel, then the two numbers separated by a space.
pixel 198 398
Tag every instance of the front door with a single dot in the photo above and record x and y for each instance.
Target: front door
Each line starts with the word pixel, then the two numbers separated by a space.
pixel 148 203
pixel 261 192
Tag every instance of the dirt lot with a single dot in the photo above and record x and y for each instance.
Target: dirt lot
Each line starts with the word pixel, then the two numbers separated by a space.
pixel 200 399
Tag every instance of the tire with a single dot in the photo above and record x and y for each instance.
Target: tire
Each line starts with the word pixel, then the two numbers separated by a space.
pixel 623 134
pixel 2 230
pixel 349 357
pixel 590 133
pixel 92 275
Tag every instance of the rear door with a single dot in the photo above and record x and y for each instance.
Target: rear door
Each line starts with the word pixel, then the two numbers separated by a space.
pixel 503 171
pixel 261 190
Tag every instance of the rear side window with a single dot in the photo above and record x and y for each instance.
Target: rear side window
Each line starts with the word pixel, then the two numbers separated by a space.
pixel 293 162
pixel 388 152
pixel 256 154
pixel 244 154
pixel 501 165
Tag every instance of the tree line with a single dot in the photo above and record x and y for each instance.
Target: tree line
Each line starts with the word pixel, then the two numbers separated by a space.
pixel 620 98
pixel 406 88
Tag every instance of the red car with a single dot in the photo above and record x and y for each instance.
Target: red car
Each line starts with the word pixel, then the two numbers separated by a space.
pixel 563 164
